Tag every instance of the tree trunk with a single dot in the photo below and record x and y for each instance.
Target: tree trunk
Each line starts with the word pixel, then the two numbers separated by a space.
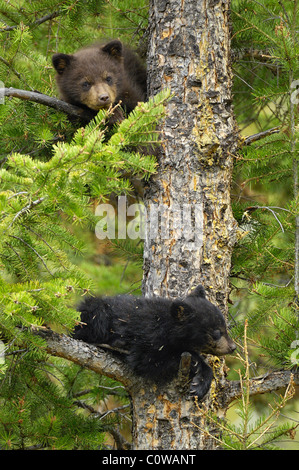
pixel 190 229
pixel 168 419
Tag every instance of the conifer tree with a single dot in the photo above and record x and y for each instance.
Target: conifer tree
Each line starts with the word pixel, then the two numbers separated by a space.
pixel 266 172
pixel 52 174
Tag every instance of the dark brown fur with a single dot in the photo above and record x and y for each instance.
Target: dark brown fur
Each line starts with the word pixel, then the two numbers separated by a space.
pixel 100 76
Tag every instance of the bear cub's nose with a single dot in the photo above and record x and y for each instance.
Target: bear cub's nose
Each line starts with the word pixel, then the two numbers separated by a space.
pixel 103 99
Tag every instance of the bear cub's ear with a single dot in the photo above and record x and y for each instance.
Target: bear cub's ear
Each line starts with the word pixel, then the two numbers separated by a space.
pixel 180 311
pixel 114 49
pixel 61 62
pixel 198 292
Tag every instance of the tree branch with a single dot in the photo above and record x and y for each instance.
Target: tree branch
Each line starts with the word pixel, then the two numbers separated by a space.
pixel 102 362
pixel 261 135
pixel 258 385
pixel 52 102
pixel 37 22
pixel 88 356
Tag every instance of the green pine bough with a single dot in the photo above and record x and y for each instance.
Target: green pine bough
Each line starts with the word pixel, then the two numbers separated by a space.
pixel 42 201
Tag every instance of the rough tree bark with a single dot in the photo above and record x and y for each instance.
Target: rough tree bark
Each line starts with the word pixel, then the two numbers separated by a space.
pixel 189 53
pixel 191 243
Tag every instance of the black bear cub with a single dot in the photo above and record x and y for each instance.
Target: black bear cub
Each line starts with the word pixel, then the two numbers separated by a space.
pixel 154 332
pixel 99 76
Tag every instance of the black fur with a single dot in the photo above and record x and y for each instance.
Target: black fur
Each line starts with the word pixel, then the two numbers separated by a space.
pixel 154 332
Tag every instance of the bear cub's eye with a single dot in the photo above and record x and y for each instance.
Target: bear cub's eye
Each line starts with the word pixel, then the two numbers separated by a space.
pixel 109 80
pixel 86 85
pixel 216 335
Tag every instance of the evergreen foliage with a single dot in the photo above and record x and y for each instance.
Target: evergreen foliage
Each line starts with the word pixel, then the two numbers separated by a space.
pixel 39 202
pixel 249 432
pixel 265 197
pixel 265 192
pixel 52 176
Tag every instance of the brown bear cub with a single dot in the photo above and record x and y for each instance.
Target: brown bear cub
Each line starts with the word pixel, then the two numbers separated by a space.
pixel 99 76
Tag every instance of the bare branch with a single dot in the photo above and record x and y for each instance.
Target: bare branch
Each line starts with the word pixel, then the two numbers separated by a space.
pixel 50 101
pixel 88 356
pixel 260 135
pixel 37 22
pixel 262 384
pixel 120 441
pixel 45 18
pixel 26 209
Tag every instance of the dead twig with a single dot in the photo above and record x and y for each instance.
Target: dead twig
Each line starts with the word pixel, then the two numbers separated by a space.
pixel 50 101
